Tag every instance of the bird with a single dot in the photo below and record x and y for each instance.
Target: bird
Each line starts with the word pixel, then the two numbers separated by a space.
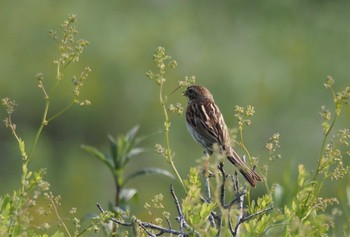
pixel 207 126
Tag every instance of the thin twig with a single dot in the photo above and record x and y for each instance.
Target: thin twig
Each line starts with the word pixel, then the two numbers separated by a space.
pixel 181 218
pixel 208 200
pixel 222 189
pixel 235 199
pixel 256 214
pixel 113 219
pixel 145 230
pixel 146 225
pixel 162 229
pixel 207 189
pixel 233 231
pixel 219 219
pixel 235 183
pixel 51 198
pixel 240 203
pixel 177 203
pixel 169 224
pixel 247 218
pixel 235 187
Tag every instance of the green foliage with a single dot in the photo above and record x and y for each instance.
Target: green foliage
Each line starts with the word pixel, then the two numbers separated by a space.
pixel 307 212
pixel 17 210
pixel 203 210
pixel 123 148
pixel 163 62
pixel 304 215
pixel 260 226
pixel 196 211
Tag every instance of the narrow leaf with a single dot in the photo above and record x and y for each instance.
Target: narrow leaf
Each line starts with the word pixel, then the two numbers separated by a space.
pixel 113 147
pixel 97 154
pixel 150 171
pixel 136 151
pixel 127 193
pixel 132 133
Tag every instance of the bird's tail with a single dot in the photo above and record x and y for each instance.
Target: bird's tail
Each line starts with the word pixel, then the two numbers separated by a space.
pixel 249 174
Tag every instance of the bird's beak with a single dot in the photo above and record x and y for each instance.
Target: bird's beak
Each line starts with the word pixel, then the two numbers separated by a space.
pixel 175 90
pixel 184 93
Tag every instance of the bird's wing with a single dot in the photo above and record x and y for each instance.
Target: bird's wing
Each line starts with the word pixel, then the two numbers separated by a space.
pixel 206 119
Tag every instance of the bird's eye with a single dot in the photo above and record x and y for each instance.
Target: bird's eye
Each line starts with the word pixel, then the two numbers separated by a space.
pixel 190 91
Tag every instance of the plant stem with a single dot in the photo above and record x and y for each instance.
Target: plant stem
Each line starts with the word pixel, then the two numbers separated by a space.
pixel 45 120
pixel 323 147
pixel 242 144
pixel 59 113
pixel 168 154
pixel 42 125
pixel 59 217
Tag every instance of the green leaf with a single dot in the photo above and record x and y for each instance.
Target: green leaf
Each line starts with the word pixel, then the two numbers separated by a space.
pixel 122 149
pixel 113 147
pixel 136 151
pixel 206 210
pixel 127 193
pixel 150 171
pixel 132 133
pixel 99 155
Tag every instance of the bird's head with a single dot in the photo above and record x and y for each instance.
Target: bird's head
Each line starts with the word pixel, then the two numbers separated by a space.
pixel 197 92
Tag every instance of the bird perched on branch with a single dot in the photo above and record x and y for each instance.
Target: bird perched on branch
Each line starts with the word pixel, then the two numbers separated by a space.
pixel 206 125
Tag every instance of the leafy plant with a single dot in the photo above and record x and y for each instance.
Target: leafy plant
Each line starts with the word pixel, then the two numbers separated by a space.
pixel 204 211
pixel 16 218
pixel 164 61
pixel 214 205
pixel 122 150
pixel 198 214
pixel 306 215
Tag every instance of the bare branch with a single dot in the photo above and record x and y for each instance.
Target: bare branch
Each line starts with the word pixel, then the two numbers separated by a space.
pixel 181 217
pixel 207 189
pixel 162 229
pixel 146 225
pixel 240 203
pixel 222 189
pixel 247 218
pixel 235 199
pixel 113 219
pixel 214 219
pixel 172 191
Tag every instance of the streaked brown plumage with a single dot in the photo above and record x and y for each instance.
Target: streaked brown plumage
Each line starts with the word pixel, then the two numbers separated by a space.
pixel 206 125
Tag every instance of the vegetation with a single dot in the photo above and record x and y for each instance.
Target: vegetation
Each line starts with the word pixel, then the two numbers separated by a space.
pixel 219 205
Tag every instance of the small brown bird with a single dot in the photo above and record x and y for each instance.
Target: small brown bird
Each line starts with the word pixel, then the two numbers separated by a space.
pixel 206 125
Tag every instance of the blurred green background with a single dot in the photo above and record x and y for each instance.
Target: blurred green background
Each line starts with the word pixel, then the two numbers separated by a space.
pixel 273 55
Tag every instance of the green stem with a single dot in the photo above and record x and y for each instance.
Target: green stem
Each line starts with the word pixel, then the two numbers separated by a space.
pixel 45 120
pixel 59 113
pixel 59 218
pixel 242 144
pixel 42 125
pixel 168 153
pixel 323 147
